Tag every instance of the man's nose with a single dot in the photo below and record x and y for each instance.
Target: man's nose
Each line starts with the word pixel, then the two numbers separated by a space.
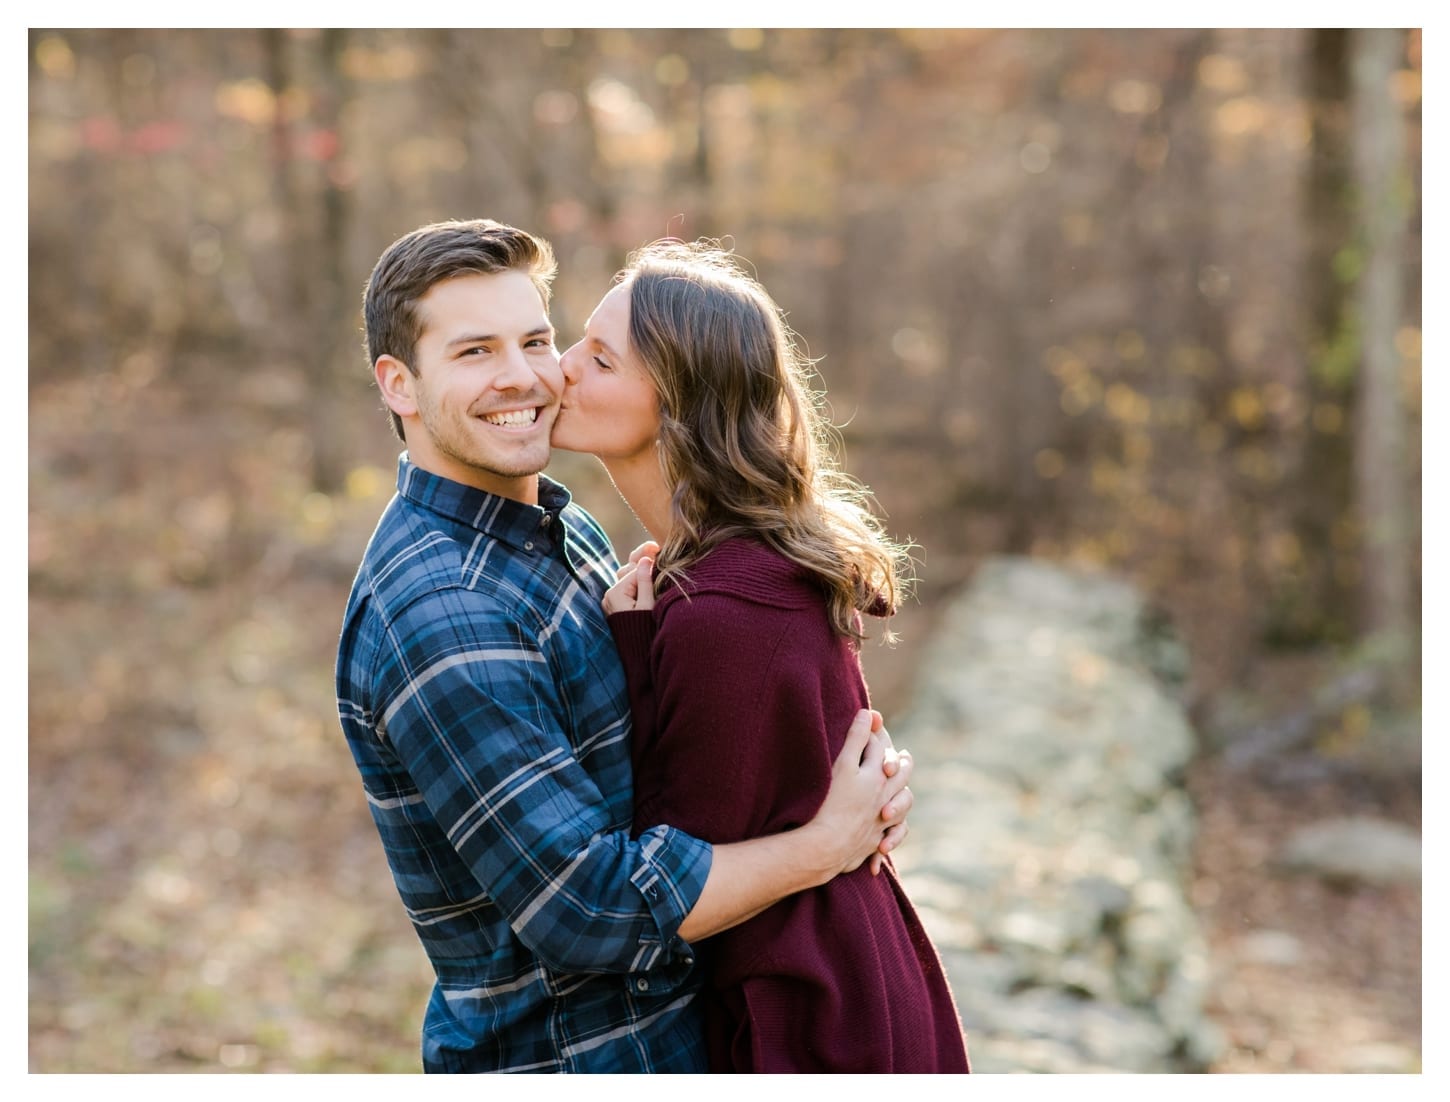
pixel 517 373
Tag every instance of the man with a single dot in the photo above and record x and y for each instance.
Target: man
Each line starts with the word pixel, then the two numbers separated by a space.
pixel 485 705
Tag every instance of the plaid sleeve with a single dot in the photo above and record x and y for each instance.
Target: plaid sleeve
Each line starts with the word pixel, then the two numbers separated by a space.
pixel 471 709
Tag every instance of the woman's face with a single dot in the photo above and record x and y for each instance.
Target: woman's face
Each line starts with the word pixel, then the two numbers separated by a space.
pixel 610 408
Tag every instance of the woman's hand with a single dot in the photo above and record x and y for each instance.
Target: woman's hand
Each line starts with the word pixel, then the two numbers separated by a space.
pixel 634 588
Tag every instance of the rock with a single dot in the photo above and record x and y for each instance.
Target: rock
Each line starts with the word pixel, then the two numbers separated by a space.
pixel 1108 899
pixel 1381 1059
pixel 1205 1043
pixel 1031 931
pixel 1092 979
pixel 1357 848
pixel 1040 1055
pixel 1270 947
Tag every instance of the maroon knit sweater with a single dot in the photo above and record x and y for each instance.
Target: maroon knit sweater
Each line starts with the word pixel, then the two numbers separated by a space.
pixel 742 695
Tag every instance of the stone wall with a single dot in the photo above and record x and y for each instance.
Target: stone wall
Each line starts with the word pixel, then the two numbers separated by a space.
pixel 1051 835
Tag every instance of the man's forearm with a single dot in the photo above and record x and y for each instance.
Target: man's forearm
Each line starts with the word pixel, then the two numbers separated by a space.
pixel 747 877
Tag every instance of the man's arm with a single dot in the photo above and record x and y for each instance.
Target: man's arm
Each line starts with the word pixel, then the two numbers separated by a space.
pixel 718 779
pixel 747 877
pixel 467 703
pixel 469 707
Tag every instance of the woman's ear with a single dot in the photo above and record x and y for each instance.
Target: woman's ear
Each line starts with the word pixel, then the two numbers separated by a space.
pixel 395 382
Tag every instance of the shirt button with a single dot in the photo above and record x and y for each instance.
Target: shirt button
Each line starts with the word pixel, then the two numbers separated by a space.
pixel 653 891
pixel 529 546
pixel 642 985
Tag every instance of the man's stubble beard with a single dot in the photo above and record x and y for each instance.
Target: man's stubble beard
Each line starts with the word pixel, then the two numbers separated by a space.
pixel 471 453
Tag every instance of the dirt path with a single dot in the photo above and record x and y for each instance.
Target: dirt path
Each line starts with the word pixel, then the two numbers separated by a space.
pixel 1311 977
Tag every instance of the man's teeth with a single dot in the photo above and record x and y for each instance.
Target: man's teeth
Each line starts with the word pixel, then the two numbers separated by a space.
pixel 513 417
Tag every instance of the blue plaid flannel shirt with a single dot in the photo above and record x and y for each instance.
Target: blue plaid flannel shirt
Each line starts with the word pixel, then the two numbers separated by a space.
pixel 485 705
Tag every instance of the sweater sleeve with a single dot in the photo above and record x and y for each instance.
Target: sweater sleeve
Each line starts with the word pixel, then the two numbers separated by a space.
pixel 634 633
pixel 739 748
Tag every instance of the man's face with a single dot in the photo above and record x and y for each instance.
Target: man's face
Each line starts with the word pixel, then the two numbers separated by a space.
pixel 483 401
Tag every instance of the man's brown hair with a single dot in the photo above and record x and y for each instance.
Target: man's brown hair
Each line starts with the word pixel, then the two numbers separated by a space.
pixel 411 265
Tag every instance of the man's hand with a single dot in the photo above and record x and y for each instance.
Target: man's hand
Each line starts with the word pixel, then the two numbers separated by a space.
pixel 864 813
pixel 897 765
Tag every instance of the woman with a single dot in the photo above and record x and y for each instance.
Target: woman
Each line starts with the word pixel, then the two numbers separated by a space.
pixel 688 387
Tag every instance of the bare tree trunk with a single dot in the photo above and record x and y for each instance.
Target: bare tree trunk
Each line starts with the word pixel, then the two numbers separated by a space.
pixel 335 308
pixel 1321 606
pixel 319 330
pixel 1380 427
pixel 293 244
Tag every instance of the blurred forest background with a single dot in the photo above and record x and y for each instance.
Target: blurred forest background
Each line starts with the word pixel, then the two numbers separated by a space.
pixel 1143 299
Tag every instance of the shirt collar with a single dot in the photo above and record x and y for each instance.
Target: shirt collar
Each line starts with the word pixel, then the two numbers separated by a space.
pixel 495 516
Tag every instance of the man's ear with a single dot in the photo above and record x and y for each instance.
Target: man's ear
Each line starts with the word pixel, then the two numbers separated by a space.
pixel 396 383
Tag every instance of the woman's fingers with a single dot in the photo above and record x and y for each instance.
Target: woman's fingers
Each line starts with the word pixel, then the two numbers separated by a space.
pixel 644 581
pixel 648 547
pixel 623 594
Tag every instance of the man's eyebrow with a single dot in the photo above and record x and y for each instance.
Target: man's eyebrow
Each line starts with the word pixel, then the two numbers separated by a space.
pixel 484 338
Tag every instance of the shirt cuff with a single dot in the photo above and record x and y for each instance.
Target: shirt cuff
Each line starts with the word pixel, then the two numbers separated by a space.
pixel 670 878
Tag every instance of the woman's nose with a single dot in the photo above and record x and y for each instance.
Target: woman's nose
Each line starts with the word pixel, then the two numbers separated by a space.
pixel 569 361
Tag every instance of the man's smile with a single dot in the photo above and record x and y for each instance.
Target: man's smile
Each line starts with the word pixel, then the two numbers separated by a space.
pixel 513 418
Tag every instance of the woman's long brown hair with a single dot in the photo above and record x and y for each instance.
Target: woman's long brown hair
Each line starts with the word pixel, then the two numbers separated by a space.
pixel 744 440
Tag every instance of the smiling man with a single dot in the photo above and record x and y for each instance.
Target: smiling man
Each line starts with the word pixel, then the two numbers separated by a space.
pixel 486 709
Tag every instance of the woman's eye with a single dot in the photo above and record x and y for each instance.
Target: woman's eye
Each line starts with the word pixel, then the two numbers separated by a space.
pixel 602 364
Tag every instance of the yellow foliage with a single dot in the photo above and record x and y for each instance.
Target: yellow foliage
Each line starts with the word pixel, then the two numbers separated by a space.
pixel 250 100
pixel 1328 418
pixel 1240 117
pixel 672 70
pixel 1127 405
pixel 1049 463
pixel 392 63
pixel 1407 342
pixel 1135 97
pixel 1247 407
pixel 1137 448
pixel 1405 87
pixel 1223 73
pixel 1256 463
pixel 55 58
pixel 1284 549
pixel 1130 345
